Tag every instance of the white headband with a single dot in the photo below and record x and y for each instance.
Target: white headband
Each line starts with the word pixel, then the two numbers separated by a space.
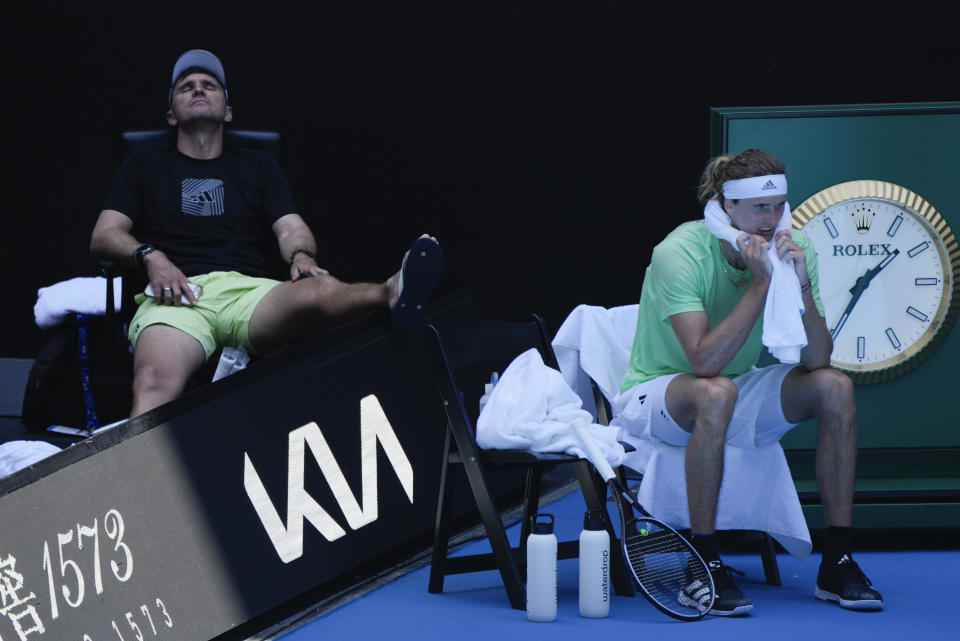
pixel 756 187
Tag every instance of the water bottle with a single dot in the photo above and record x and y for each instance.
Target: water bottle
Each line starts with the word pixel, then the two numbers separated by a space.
pixel 487 389
pixel 594 567
pixel 542 570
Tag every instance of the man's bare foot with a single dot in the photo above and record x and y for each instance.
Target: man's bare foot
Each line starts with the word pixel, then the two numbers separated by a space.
pixel 393 287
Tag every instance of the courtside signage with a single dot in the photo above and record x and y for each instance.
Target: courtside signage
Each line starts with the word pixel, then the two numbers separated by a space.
pixel 270 485
pixel 287 538
pixel 192 527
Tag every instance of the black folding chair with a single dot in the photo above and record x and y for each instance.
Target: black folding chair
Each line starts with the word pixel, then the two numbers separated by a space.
pixel 463 359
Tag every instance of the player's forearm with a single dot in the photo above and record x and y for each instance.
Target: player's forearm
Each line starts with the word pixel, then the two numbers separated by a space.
pixel 114 244
pixel 721 343
pixel 816 355
pixel 294 240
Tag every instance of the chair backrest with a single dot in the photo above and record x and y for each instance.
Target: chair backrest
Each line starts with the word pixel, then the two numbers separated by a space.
pixel 267 140
pixel 464 357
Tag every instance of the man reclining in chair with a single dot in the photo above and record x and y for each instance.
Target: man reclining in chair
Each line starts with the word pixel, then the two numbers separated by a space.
pixel 196 213
pixel 692 370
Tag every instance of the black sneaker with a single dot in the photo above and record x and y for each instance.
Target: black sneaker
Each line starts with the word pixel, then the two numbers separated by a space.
pixel 845 583
pixel 729 601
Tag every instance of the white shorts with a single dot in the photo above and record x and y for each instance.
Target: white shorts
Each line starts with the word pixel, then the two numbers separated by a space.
pixel 757 421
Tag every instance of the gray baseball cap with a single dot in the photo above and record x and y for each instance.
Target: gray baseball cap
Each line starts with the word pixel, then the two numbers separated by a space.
pixel 198 59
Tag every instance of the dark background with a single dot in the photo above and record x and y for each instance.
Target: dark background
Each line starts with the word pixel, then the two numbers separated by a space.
pixel 547 145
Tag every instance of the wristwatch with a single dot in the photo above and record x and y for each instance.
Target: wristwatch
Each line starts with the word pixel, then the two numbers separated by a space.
pixel 140 252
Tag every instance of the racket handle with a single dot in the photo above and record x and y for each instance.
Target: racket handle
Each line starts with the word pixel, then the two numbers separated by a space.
pixel 581 430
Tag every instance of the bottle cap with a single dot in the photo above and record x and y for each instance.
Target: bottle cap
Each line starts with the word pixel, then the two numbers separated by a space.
pixel 543 527
pixel 593 520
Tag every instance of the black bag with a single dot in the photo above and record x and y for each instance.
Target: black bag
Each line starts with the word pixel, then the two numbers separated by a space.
pixel 55 392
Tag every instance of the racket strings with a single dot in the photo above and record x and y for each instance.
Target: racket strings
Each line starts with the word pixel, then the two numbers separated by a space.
pixel 663 564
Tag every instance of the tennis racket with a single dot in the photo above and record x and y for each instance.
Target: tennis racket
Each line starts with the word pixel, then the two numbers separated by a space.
pixel 668 570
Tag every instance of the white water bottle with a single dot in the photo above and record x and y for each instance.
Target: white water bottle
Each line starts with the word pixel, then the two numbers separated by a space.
pixel 488 389
pixel 594 567
pixel 542 570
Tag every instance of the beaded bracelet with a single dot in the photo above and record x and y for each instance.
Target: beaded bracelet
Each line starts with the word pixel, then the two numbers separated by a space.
pixel 301 250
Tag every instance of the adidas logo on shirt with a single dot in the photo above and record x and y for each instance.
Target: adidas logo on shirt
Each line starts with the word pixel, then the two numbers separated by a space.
pixel 769 185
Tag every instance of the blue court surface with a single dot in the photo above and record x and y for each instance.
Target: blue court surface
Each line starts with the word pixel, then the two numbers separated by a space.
pixel 918 586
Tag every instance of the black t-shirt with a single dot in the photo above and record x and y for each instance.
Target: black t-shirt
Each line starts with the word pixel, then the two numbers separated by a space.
pixel 206 215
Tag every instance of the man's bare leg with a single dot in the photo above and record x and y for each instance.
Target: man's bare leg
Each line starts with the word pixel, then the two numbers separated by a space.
pixel 163 361
pixel 827 395
pixel 292 311
pixel 702 406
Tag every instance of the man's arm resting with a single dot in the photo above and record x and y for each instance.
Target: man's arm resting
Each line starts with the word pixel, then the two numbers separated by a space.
pixel 112 239
pixel 710 350
pixel 297 246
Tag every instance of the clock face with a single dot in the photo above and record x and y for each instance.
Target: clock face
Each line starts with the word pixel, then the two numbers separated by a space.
pixel 888 265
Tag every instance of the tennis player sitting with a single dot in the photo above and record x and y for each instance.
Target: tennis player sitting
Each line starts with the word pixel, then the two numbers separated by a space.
pixel 702 316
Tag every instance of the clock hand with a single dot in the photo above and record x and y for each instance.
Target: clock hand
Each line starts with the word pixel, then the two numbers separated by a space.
pixel 846 313
pixel 872 272
pixel 859 287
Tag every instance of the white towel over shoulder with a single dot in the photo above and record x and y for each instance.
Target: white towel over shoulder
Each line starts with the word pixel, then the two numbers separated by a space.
pixel 783 332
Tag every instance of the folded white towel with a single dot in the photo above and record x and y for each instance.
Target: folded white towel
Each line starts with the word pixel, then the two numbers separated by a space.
pixel 783 332
pixel 82 295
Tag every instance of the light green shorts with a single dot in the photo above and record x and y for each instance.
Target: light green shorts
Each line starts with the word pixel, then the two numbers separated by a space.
pixel 221 317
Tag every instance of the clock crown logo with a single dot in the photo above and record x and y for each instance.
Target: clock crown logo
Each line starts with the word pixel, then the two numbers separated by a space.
pixel 862 219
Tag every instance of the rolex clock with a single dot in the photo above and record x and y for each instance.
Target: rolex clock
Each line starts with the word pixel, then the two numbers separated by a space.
pixel 889 270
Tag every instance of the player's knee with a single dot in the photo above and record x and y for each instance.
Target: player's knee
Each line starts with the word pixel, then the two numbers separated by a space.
pixel 319 292
pixel 150 379
pixel 716 398
pixel 718 391
pixel 834 391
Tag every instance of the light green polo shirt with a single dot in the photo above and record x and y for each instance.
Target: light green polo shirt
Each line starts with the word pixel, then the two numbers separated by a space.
pixel 688 273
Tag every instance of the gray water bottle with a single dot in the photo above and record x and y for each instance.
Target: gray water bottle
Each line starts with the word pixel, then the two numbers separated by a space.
pixel 542 570
pixel 594 567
